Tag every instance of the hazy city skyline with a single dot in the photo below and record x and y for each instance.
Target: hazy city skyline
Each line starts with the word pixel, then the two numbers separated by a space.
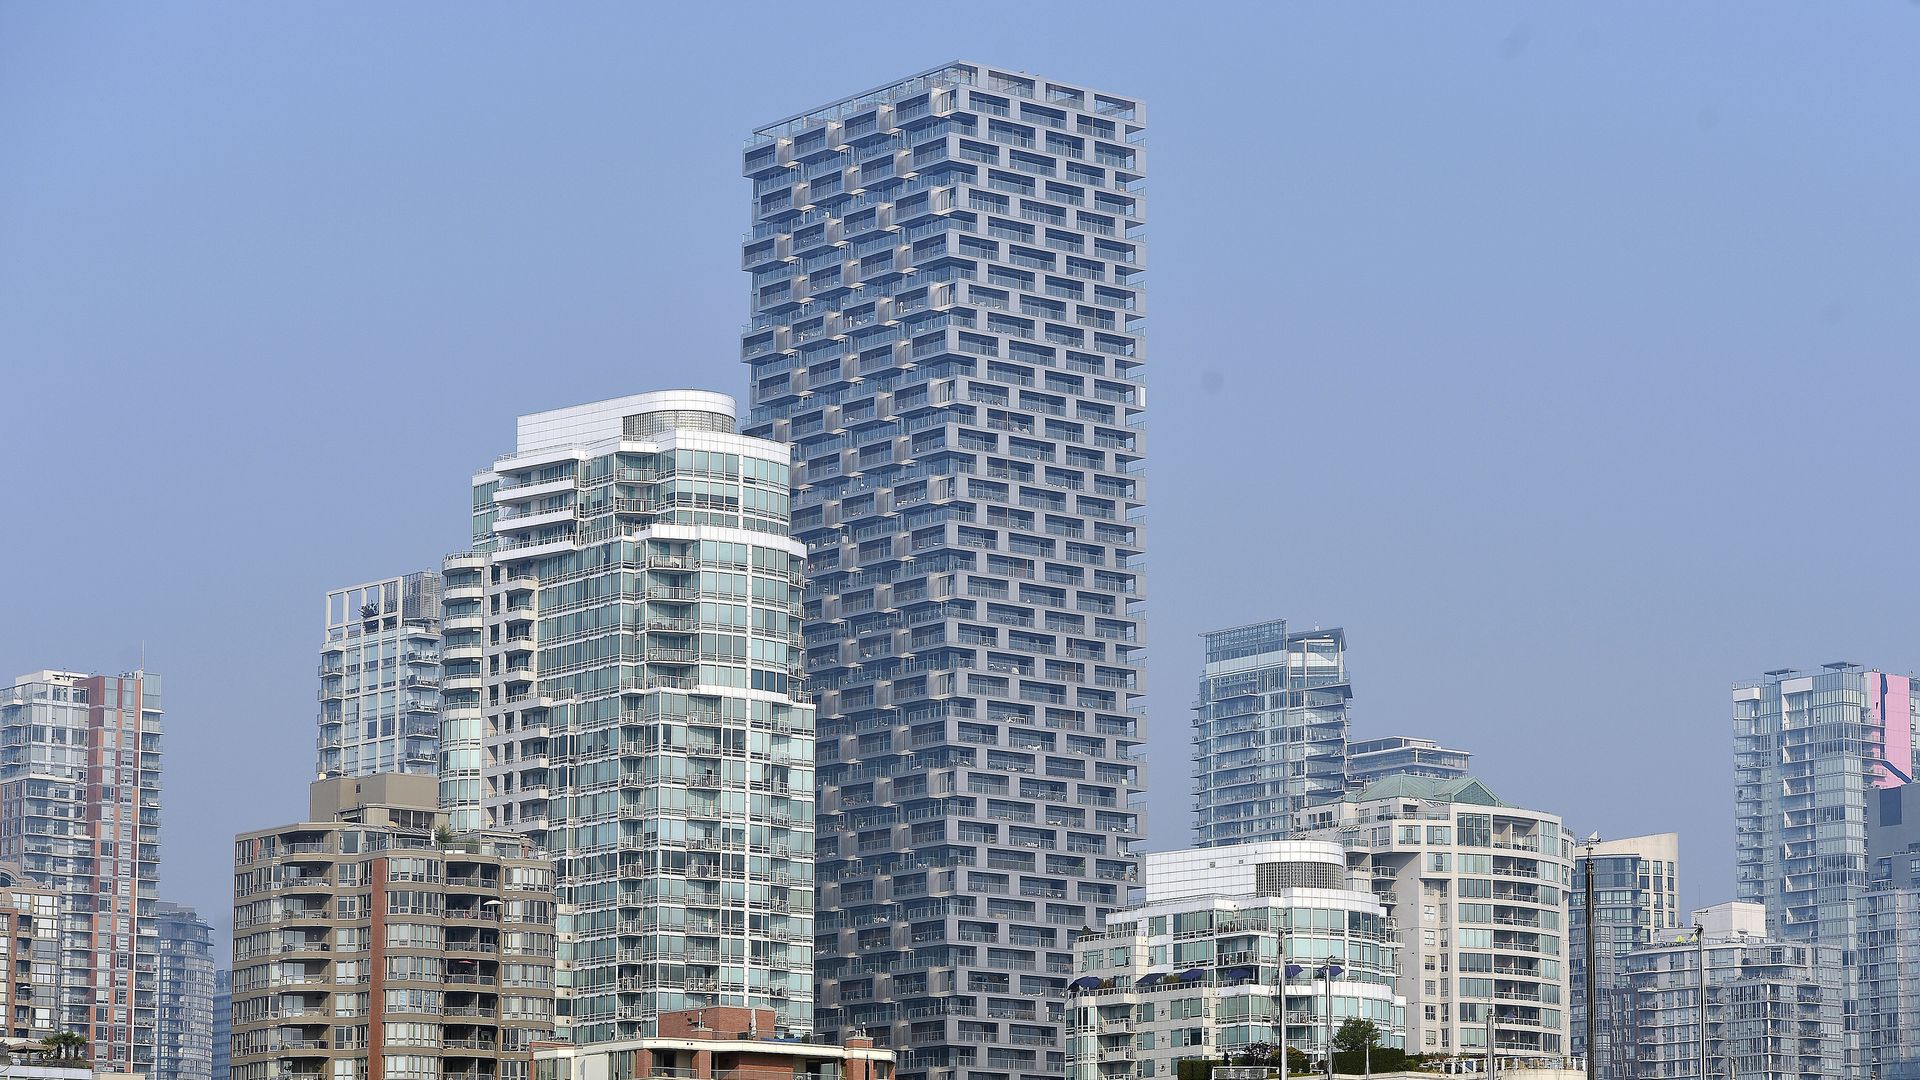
pixel 1545 351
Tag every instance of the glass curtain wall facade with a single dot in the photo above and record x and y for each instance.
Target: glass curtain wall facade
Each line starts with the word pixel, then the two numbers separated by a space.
pixel 1269 730
pixel 1636 889
pixel 185 993
pixel 223 1024
pixel 623 676
pixel 1809 748
pixel 380 678
pixel 946 324
pixel 80 814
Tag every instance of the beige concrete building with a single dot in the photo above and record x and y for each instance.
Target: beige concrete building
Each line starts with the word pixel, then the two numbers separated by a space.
pixel 370 943
pixel 1478 888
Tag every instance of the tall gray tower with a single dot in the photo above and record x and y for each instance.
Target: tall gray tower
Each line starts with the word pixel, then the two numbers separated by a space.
pixel 946 325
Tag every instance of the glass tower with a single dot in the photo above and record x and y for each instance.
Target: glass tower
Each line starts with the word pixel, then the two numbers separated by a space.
pixel 1269 730
pixel 623 687
pixel 1636 889
pixel 184 976
pixel 80 814
pixel 380 678
pixel 946 325
pixel 223 1024
pixel 1809 748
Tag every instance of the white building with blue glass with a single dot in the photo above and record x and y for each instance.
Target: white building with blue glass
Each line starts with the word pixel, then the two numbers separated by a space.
pixel 623 680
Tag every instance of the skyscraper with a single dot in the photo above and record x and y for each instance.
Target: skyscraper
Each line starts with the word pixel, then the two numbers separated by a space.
pixel 380 678
pixel 623 686
pixel 80 813
pixel 1269 730
pixel 1636 890
pixel 1808 749
pixel 946 310
pixel 184 991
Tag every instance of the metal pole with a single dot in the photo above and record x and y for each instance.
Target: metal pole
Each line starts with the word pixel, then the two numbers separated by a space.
pixel 1326 1017
pixel 1700 956
pixel 1282 1012
pixel 1593 1013
pixel 1489 1040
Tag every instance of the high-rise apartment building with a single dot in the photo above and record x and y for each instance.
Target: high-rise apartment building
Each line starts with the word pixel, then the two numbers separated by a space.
pixel 369 943
pixel 80 814
pixel 1376 759
pixel 1228 948
pixel 183 989
pixel 1269 730
pixel 1636 891
pixel 1478 889
pixel 1888 950
pixel 380 678
pixel 1772 1012
pixel 946 303
pixel 1809 748
pixel 223 1024
pixel 623 686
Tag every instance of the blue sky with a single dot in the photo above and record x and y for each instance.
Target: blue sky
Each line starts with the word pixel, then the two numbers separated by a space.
pixel 1565 355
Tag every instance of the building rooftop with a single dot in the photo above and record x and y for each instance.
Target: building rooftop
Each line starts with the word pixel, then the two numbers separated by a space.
pixel 1429 789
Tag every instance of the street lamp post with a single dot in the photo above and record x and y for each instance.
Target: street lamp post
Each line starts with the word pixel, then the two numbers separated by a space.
pixel 1700 957
pixel 1593 1013
pixel 1328 972
pixel 1288 972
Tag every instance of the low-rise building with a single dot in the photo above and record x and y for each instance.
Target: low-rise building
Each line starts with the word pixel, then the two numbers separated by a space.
pixel 720 1043
pixel 1774 1009
pixel 370 943
pixel 1478 890
pixel 1232 946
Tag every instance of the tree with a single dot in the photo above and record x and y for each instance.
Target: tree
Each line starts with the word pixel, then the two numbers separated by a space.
pixel 64 1045
pixel 1356 1035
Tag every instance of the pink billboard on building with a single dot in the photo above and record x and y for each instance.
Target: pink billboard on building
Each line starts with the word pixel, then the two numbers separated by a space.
pixel 1889 700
